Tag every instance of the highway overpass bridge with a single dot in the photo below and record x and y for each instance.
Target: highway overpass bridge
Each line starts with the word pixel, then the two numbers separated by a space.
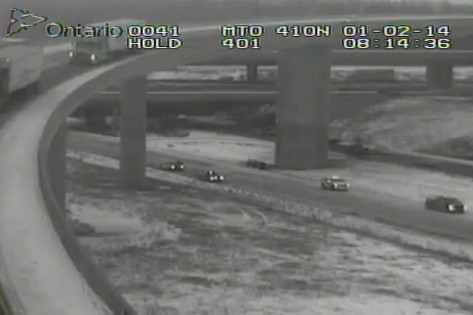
pixel 213 98
pixel 439 63
pixel 38 276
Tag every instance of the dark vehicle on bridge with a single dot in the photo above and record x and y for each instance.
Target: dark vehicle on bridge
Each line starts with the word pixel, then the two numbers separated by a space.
pixel 445 204
pixel 357 149
pixel 334 183
pixel 173 166
pixel 213 177
pixel 82 229
pixel 257 164
pixel 93 50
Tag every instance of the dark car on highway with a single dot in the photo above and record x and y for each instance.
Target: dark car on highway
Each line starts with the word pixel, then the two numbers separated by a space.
pixel 213 177
pixel 445 204
pixel 173 166
pixel 334 183
pixel 257 164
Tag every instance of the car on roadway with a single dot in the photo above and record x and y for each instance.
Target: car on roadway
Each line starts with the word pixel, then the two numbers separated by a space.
pixel 334 183
pixel 173 166
pixel 213 177
pixel 445 204
pixel 257 164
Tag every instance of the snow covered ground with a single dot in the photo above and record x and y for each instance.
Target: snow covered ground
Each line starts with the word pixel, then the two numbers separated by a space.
pixel 413 123
pixel 182 250
pixel 211 144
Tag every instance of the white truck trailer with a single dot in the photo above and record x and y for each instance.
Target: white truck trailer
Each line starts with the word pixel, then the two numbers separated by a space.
pixel 98 49
pixel 21 67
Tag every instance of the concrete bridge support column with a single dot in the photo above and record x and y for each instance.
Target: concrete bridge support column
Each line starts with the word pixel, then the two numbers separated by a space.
pixel 439 76
pixel 57 165
pixel 252 72
pixel 302 109
pixel 133 133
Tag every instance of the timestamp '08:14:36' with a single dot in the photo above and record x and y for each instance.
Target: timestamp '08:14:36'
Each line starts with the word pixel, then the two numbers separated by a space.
pixel 393 43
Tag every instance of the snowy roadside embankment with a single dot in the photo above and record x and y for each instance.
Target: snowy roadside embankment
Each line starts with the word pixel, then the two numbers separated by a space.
pixel 413 123
pixel 237 256
pixel 453 248
pixel 201 143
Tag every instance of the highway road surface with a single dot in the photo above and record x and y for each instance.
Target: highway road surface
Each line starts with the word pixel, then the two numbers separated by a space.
pixel 358 202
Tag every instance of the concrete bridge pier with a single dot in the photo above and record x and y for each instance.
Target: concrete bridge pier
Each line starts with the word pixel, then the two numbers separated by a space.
pixel 252 72
pixel 133 133
pixel 439 76
pixel 57 165
pixel 302 109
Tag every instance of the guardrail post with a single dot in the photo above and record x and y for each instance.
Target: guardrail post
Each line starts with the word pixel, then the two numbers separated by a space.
pixel 115 120
pixel 302 111
pixel 57 165
pixel 133 133
pixel 439 76
pixel 252 72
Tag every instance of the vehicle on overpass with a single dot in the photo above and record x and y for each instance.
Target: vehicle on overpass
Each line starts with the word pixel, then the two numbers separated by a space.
pixel 21 67
pixel 334 183
pixel 213 177
pixel 82 229
pixel 173 166
pixel 358 148
pixel 257 164
pixel 99 49
pixel 445 204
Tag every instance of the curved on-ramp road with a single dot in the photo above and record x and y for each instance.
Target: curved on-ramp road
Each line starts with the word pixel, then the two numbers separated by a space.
pixel 42 270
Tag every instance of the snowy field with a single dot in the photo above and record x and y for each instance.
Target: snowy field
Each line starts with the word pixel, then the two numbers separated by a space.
pixel 179 250
pixel 218 146
pixel 413 123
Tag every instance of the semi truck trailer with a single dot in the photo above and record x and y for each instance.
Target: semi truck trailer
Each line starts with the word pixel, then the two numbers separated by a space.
pixel 21 67
pixel 94 50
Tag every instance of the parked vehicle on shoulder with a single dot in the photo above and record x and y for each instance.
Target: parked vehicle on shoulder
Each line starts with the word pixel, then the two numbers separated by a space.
pixel 445 204
pixel 213 177
pixel 173 166
pixel 257 164
pixel 334 183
